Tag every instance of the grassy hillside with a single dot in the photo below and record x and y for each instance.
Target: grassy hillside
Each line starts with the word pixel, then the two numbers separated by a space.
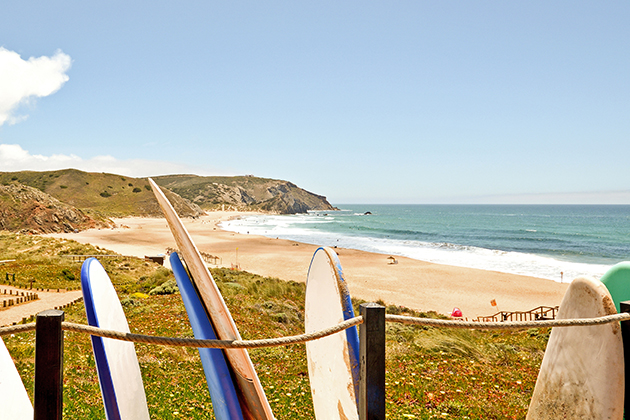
pixel 101 194
pixel 244 193
pixel 431 372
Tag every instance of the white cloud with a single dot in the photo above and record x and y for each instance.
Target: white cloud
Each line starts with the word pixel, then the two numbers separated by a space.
pixel 14 158
pixel 21 81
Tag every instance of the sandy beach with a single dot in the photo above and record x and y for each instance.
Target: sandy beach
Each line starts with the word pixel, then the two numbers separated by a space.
pixel 416 284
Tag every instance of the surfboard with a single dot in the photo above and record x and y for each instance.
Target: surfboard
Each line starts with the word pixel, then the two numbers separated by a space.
pixel 617 281
pixel 333 361
pixel 116 361
pixel 253 400
pixel 222 392
pixel 14 401
pixel 582 372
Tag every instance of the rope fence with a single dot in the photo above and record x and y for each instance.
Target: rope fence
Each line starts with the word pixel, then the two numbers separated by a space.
pixel 216 344
pixel 508 325
pixel 49 338
pixel 303 338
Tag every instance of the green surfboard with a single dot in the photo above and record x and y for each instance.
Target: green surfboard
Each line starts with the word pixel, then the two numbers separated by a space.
pixel 617 281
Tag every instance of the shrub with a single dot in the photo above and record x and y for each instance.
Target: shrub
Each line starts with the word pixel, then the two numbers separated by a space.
pixel 129 302
pixel 105 194
pixel 68 275
pixel 136 190
pixel 166 288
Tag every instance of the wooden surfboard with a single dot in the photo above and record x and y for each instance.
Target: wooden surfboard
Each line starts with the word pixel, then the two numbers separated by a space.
pixel 14 401
pixel 116 361
pixel 333 361
pixel 222 391
pixel 582 372
pixel 617 281
pixel 251 394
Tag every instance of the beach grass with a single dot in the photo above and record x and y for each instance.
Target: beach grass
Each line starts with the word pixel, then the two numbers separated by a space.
pixel 431 372
pixel 46 263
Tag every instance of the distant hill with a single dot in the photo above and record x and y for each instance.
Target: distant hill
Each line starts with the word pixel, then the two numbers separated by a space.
pixel 100 194
pixel 27 209
pixel 74 199
pixel 244 193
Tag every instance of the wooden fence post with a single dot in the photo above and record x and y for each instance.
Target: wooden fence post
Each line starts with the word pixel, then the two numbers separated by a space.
pixel 49 365
pixel 372 355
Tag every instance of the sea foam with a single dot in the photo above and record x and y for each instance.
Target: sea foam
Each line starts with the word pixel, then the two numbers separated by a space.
pixel 312 230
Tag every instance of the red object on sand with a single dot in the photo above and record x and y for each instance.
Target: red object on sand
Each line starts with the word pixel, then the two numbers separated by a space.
pixel 457 313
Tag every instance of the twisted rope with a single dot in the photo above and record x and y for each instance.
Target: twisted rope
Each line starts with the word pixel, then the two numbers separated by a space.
pixel 508 325
pixel 217 344
pixel 303 338
pixel 17 329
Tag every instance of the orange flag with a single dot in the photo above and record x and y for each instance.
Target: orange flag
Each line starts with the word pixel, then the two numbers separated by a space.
pixel 493 302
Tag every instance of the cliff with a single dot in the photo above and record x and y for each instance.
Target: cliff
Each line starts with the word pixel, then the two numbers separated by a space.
pixel 246 193
pixel 27 209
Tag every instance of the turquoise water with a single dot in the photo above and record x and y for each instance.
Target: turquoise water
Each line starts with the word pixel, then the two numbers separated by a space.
pixel 538 240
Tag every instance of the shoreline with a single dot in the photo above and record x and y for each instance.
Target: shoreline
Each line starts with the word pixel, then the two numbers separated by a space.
pixel 412 283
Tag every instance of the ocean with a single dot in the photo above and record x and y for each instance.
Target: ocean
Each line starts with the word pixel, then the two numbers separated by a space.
pixel 556 242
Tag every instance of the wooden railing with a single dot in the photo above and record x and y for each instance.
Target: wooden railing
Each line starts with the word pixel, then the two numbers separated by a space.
pixel 537 314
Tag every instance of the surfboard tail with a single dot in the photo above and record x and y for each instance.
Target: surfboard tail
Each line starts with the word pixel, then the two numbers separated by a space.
pixel 250 391
pixel 333 362
pixel 117 365
pixel 352 334
pixel 582 371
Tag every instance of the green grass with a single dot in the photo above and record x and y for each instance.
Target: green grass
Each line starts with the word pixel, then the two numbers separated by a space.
pixel 45 263
pixel 431 372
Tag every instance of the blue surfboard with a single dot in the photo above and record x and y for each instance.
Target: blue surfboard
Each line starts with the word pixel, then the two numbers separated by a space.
pixel 352 334
pixel 116 361
pixel 220 384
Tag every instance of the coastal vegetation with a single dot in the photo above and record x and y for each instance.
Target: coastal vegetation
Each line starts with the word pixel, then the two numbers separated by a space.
pixel 431 372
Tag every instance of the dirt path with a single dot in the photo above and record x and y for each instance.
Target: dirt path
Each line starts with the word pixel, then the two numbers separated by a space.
pixel 47 300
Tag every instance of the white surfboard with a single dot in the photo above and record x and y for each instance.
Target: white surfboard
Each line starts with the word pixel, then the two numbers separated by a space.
pixel 582 373
pixel 14 401
pixel 116 361
pixel 333 361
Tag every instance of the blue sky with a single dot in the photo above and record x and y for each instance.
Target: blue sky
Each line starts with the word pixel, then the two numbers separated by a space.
pixel 361 101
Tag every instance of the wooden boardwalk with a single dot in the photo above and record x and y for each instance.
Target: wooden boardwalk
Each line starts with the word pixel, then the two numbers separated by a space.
pixel 47 300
